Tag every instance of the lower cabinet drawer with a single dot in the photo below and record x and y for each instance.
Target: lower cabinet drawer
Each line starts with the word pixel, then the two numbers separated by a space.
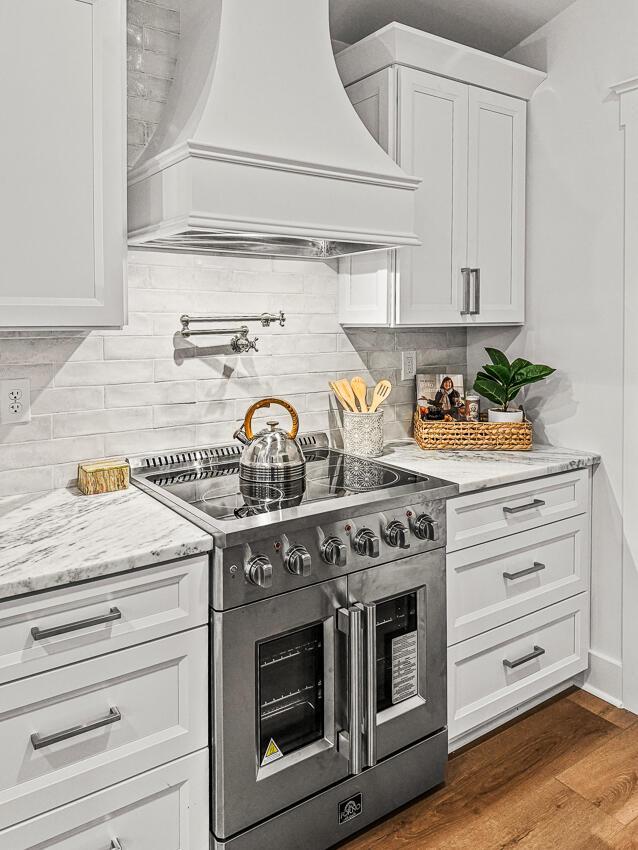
pixel 70 624
pixel 489 514
pixel 164 809
pixel 500 581
pixel 73 731
pixel 502 668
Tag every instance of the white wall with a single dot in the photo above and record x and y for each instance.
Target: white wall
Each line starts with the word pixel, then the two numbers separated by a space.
pixel 575 273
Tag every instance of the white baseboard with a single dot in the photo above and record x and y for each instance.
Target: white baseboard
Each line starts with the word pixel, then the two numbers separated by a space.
pixel 604 678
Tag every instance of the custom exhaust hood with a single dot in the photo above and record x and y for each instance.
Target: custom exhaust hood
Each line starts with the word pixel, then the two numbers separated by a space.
pixel 259 150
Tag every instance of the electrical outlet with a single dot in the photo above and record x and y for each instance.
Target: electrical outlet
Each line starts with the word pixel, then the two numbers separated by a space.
pixel 15 401
pixel 408 365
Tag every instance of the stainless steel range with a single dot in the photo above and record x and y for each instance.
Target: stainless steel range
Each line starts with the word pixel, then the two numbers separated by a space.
pixel 328 661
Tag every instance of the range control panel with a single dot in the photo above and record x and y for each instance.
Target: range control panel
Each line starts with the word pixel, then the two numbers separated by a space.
pixel 288 561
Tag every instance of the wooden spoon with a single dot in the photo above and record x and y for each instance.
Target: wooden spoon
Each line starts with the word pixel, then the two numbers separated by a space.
pixel 381 392
pixel 360 389
pixel 340 398
pixel 346 391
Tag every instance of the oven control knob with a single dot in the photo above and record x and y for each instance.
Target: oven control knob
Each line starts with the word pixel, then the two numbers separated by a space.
pixel 258 570
pixel 366 542
pixel 297 561
pixel 425 527
pixel 396 535
pixel 333 551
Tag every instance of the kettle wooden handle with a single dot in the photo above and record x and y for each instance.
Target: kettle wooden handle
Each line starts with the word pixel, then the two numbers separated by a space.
pixel 266 402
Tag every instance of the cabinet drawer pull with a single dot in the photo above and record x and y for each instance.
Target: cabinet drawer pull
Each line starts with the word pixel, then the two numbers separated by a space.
pixel 526 572
pixel 39 741
pixel 41 634
pixel 116 844
pixel 538 651
pixel 537 503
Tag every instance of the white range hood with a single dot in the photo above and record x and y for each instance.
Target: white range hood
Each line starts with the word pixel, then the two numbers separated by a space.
pixel 259 150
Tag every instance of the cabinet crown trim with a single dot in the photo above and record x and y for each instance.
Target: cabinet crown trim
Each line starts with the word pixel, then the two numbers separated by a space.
pixel 397 44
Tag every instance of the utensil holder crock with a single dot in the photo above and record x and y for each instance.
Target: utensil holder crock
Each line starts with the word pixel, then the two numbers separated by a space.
pixel 363 433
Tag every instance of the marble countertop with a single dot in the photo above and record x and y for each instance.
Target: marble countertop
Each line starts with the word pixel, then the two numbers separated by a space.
pixel 479 470
pixel 61 537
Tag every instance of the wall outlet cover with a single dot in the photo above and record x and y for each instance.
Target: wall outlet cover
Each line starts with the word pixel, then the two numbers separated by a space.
pixel 15 401
pixel 408 365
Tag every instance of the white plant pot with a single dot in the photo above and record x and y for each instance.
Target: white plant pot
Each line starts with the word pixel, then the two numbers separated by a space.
pixel 494 415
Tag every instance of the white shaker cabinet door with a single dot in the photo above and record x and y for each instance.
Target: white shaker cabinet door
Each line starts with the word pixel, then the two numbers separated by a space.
pixel 366 286
pixel 433 136
pixel 496 207
pixel 62 163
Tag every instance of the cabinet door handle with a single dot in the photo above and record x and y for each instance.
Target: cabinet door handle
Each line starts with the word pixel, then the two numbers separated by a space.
pixel 527 572
pixel 41 634
pixel 466 311
pixel 537 503
pixel 39 741
pixel 476 274
pixel 536 653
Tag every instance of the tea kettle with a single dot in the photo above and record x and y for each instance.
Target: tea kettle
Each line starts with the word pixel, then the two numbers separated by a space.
pixel 273 455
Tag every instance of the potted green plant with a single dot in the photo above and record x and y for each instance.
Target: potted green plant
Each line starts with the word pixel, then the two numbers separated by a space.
pixel 501 381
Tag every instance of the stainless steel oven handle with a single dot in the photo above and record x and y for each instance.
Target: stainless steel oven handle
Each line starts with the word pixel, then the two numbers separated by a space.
pixel 371 685
pixel 350 622
pixel 355 651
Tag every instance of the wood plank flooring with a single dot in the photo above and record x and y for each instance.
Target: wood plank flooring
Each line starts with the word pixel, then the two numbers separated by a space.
pixel 562 777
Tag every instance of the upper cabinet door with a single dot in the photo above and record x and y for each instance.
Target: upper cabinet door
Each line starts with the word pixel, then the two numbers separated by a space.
pixel 433 133
pixel 62 163
pixel 365 282
pixel 496 207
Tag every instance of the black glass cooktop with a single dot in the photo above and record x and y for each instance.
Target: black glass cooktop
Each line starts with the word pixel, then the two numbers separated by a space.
pixel 214 486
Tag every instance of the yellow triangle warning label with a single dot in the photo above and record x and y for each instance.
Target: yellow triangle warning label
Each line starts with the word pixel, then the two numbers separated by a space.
pixel 272 753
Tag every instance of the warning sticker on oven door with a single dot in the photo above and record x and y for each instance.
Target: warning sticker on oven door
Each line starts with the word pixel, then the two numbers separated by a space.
pixel 272 753
pixel 405 667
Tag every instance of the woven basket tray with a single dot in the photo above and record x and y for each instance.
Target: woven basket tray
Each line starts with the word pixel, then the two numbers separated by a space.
pixel 473 436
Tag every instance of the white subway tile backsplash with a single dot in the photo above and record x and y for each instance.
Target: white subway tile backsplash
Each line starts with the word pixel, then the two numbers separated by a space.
pixel 39 428
pixel 48 453
pixel 66 400
pixel 192 414
pixel 29 481
pixel 99 374
pixel 152 440
pixel 102 421
pixel 131 395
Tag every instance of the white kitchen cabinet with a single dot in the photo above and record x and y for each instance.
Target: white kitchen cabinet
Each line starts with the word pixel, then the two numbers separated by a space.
pixel 163 809
pixel 502 668
pixel 496 207
pixel 518 579
pixel 468 146
pixel 62 163
pixel 70 624
pixel 75 730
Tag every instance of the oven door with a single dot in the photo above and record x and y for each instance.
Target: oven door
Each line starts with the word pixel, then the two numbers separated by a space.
pixel 279 689
pixel 404 618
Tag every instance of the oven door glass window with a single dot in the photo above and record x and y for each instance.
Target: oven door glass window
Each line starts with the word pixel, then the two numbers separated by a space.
pixel 290 692
pixel 397 650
